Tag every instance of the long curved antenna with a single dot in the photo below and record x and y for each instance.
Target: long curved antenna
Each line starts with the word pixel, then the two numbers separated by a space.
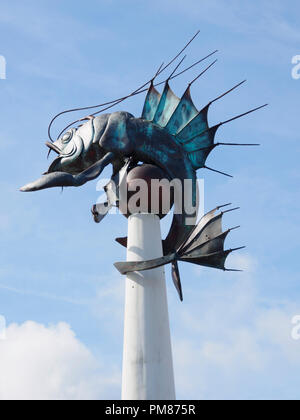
pixel 114 103
pixel 111 103
pixel 125 97
pixel 162 83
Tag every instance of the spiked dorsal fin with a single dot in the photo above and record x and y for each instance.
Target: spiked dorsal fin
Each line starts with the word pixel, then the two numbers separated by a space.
pixel 197 138
pixel 167 105
pixel 151 103
pixel 183 113
pixel 197 125
pixel 199 158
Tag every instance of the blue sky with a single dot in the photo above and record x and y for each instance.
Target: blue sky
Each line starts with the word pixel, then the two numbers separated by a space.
pixel 60 295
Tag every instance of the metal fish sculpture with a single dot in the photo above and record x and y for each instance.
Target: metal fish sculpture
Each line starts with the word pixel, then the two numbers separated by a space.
pixel 171 134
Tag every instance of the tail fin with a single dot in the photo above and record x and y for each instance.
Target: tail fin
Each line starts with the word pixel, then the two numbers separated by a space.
pixel 205 246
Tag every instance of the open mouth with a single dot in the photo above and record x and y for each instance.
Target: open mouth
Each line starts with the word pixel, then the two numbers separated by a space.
pixel 53 147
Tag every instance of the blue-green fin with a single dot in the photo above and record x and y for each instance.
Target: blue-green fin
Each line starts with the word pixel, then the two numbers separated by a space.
pixel 151 103
pixel 183 113
pixel 167 105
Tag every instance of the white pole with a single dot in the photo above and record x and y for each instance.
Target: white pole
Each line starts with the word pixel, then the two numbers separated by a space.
pixel 147 358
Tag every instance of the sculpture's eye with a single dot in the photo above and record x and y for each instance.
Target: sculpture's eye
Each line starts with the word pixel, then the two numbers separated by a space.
pixel 67 137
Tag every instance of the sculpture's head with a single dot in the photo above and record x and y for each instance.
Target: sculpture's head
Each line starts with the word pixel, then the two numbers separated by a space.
pixel 77 149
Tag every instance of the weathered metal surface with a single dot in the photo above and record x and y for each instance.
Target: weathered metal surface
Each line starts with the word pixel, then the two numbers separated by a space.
pixel 184 112
pixel 151 103
pixel 171 135
pixel 116 137
pixel 111 138
pixel 166 107
pixel 129 267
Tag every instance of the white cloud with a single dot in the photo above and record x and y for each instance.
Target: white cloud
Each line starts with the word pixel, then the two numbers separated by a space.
pixel 228 344
pixel 50 363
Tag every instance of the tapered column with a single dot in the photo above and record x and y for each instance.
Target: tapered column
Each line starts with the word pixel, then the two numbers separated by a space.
pixel 147 358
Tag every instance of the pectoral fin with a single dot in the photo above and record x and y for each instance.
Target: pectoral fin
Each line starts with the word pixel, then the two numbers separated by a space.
pixel 129 267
